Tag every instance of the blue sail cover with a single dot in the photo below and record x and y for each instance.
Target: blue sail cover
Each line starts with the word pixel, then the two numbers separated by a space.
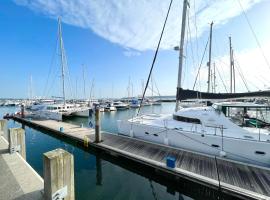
pixel 184 94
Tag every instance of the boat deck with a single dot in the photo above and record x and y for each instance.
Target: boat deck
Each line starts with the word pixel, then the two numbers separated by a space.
pixel 236 178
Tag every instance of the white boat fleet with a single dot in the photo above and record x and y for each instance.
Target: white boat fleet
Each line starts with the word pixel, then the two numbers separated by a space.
pixel 208 130
pixel 229 129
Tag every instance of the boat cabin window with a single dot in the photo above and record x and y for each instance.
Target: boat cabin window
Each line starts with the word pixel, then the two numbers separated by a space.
pixel 186 119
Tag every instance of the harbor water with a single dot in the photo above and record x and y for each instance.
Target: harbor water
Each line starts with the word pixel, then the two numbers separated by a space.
pixel 101 177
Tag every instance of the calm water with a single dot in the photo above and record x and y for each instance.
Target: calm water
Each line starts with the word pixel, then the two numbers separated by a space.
pixel 99 176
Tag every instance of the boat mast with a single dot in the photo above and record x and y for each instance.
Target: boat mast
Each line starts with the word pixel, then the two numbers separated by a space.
pixel 84 91
pixel 62 58
pixel 181 51
pixel 214 77
pixel 31 88
pixel 232 72
pixel 210 55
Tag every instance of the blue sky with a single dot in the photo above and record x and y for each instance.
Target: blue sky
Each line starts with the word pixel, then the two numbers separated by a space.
pixel 114 40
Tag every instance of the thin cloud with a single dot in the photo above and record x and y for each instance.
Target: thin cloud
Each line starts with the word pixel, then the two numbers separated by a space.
pixel 250 62
pixel 137 24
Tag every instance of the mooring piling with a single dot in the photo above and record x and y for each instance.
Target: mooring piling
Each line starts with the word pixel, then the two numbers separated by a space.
pixel 3 127
pixel 58 171
pixel 16 139
pixel 97 126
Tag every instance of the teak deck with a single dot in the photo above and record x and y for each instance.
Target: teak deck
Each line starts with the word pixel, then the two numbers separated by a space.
pixel 238 179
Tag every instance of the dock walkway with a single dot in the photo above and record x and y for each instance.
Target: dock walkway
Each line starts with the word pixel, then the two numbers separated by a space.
pixel 236 178
pixel 17 178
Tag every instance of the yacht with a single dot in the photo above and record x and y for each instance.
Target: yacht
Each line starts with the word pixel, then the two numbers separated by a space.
pixel 119 105
pixel 109 107
pixel 48 109
pixel 134 103
pixel 203 129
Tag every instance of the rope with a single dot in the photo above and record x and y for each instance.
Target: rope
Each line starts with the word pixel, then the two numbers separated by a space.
pixel 50 70
pixel 254 34
pixel 222 80
pixel 219 149
pixel 241 75
pixel 155 56
pixel 201 63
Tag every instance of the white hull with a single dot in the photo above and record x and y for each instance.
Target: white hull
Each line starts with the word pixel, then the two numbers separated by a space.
pixel 237 143
pixel 83 113
pixel 111 108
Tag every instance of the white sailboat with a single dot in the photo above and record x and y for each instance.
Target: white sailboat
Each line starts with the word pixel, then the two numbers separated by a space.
pixel 201 129
pixel 57 111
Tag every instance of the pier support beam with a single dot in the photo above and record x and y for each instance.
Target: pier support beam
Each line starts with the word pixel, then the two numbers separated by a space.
pixel 16 139
pixel 58 166
pixel 97 125
pixel 3 127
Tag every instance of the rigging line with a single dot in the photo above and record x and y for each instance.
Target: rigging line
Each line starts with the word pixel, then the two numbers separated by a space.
pixel 156 87
pixel 155 56
pixel 53 81
pixel 241 74
pixel 203 143
pixel 221 80
pixel 68 74
pixel 254 34
pixel 201 63
pixel 51 66
pixel 196 30
pixel 191 44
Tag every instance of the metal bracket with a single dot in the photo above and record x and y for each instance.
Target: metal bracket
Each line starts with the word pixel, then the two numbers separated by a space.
pixel 14 149
pixel 60 194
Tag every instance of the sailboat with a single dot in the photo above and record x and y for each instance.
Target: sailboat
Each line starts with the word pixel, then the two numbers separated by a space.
pixel 206 129
pixel 57 111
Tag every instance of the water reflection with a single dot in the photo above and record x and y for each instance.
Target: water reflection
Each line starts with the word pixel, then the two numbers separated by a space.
pixel 101 176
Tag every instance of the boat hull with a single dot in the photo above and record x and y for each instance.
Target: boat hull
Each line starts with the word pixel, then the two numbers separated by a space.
pixel 255 152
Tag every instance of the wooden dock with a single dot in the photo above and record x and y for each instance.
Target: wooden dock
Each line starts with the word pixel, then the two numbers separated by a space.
pixel 17 178
pixel 235 178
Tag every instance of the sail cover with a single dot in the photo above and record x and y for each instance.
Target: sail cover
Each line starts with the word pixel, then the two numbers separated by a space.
pixel 183 94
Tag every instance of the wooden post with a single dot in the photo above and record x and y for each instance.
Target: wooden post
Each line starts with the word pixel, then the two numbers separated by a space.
pixel 3 127
pixel 97 126
pixel 58 166
pixel 16 138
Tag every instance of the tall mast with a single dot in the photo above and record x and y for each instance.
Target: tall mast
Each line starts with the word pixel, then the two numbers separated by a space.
pixel 214 91
pixel 84 91
pixel 152 83
pixel 210 55
pixel 62 58
pixel 181 52
pixel 31 88
pixel 232 72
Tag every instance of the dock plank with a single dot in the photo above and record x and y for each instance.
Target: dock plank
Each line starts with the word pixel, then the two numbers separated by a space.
pixel 235 177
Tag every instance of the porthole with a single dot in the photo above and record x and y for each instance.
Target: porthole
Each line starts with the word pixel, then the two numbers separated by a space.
pixel 146 133
pixel 215 145
pixel 249 137
pixel 260 152
pixel 155 134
